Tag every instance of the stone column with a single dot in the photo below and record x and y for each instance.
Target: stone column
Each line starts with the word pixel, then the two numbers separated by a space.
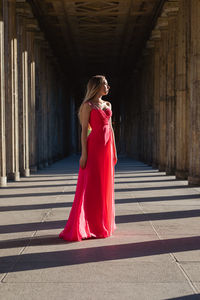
pixel 32 116
pixel 142 125
pixel 50 99
pixel 73 145
pixel 39 116
pixel 155 37
pixel 50 106
pixel 3 177
pixel 146 95
pixel 23 91
pixel 194 129
pixel 44 103
pixel 12 130
pixel 162 26
pixel 182 99
pixel 150 101
pixel 171 10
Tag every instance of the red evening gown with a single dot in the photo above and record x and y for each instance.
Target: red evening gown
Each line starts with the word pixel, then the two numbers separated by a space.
pixel 93 212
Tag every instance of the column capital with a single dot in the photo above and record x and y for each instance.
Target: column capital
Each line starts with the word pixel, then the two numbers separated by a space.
pixel 162 22
pixel 32 25
pixel 172 11
pixel 155 35
pixel 171 7
pixel 24 9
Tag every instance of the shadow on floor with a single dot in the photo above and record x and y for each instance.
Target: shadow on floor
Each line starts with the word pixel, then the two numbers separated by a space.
pixel 41 260
pixel 58 224
pixel 188 297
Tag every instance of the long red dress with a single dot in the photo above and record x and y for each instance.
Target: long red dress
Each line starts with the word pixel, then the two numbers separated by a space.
pixel 93 212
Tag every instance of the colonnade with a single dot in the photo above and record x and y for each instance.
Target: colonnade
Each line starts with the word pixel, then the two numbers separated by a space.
pixel 33 97
pixel 165 106
pixel 159 124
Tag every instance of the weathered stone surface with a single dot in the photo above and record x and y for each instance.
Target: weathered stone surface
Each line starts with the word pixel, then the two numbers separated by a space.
pixel 153 254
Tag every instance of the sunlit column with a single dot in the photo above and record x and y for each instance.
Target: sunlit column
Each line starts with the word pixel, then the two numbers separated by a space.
pixel 23 92
pixel 3 177
pixel 12 123
pixel 171 9
pixel 32 116
pixel 182 98
pixel 162 26
pixel 194 115
pixel 155 37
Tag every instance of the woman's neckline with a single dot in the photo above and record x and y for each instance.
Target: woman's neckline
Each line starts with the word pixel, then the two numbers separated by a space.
pixel 98 108
pixel 101 108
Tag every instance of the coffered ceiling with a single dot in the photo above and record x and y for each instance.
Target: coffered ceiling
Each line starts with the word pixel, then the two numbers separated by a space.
pixel 92 36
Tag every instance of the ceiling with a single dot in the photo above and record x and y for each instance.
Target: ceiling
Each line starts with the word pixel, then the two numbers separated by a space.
pixel 96 37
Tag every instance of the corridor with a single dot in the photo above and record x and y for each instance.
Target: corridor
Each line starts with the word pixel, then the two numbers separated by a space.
pixel 153 254
pixel 148 51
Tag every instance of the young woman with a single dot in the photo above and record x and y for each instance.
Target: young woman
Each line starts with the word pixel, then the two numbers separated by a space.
pixel 93 211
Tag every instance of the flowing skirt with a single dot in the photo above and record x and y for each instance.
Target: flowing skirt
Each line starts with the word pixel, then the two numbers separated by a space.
pixel 93 212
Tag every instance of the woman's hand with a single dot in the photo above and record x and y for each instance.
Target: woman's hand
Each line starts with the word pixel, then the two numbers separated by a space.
pixel 83 161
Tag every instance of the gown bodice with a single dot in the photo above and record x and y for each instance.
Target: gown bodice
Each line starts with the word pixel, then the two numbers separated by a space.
pixel 100 123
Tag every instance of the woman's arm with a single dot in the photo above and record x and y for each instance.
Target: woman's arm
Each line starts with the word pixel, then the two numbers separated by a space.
pixel 115 154
pixel 85 115
pixel 115 149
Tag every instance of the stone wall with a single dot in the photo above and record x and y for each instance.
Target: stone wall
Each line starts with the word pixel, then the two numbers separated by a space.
pixel 164 110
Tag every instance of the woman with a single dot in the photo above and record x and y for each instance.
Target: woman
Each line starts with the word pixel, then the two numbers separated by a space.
pixel 93 213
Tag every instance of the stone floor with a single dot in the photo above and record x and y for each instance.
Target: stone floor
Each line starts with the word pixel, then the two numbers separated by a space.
pixel 154 253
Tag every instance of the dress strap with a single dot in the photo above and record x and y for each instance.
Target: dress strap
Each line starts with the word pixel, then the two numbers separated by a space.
pixel 91 104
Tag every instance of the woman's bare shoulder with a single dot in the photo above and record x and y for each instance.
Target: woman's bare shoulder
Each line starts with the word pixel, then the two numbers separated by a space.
pixel 108 103
pixel 87 106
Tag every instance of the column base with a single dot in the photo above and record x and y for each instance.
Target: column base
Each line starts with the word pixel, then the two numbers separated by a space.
pixel 149 163
pixel 161 168
pixel 170 171
pixel 194 180
pixel 3 181
pixel 45 164
pixel 14 176
pixel 181 174
pixel 33 169
pixel 40 166
pixel 50 162
pixel 155 165
pixel 25 173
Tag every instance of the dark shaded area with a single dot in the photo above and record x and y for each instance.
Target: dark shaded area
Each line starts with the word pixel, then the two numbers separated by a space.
pixel 119 219
pixel 158 216
pixel 35 206
pixel 159 198
pixel 188 297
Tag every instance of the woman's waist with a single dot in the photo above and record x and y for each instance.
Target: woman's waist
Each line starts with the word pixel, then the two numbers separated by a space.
pixel 102 127
pixel 100 134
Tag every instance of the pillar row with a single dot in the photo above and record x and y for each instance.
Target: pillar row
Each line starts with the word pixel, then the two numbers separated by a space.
pixel 33 117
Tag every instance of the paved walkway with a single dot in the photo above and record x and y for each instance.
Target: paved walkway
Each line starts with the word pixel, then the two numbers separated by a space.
pixel 154 253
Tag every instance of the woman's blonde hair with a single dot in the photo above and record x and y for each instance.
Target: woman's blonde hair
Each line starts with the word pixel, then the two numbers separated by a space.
pixel 93 86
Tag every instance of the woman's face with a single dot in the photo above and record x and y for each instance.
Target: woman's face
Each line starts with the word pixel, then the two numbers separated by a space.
pixel 104 88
